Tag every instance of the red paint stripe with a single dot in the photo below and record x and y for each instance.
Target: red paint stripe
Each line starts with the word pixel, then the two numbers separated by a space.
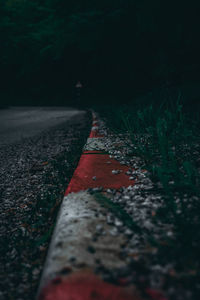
pixel 95 134
pixel 155 295
pixel 97 165
pixel 85 286
pixel 80 288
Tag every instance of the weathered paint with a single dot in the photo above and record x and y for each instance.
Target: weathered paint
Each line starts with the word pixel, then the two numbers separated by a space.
pixel 74 232
pixel 99 166
pixel 85 286
pixel 95 134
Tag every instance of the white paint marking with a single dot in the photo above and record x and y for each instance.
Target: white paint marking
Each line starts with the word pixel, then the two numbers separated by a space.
pixel 76 225
pixel 97 144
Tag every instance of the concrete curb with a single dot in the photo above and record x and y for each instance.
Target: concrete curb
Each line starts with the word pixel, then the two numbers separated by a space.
pixel 69 271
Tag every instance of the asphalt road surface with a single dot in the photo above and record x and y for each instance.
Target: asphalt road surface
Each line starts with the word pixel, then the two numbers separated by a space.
pixel 17 123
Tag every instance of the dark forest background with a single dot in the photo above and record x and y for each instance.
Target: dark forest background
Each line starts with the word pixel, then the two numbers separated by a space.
pixel 117 48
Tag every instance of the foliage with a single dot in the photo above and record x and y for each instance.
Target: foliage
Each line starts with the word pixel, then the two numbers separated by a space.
pixel 109 44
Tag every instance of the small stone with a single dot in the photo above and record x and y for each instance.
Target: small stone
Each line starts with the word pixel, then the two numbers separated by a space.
pixel 115 172
pixel 118 223
pixel 171 182
pixel 114 231
pixel 99 228
pixel 23 230
pixel 169 233
pixel 126 197
pixel 128 173
pixel 110 219
pixel 128 232
pixel 36 272
pixel 94 178
pixel 147 224
pixel 42 248
pixel 96 190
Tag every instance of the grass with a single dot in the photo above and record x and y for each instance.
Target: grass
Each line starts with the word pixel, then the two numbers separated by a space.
pixel 167 138
pixel 170 146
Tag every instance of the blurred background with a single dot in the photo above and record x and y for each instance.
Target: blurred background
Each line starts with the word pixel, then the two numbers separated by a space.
pixel 117 49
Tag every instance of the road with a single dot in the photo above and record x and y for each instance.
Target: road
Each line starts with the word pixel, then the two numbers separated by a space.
pixel 17 123
pixel 34 173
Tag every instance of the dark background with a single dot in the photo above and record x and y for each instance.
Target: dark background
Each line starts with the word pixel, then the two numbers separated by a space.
pixel 118 49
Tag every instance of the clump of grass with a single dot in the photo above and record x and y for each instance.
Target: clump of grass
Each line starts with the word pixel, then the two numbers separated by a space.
pixel 170 147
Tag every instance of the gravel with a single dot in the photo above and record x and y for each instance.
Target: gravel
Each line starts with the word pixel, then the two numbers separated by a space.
pixel 142 202
pixel 33 177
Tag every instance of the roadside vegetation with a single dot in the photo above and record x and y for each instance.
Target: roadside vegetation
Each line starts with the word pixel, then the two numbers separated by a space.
pixel 114 47
pixel 166 136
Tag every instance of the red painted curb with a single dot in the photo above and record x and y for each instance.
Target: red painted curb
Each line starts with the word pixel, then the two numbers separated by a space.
pixel 95 134
pixel 85 286
pixel 95 170
pixel 95 129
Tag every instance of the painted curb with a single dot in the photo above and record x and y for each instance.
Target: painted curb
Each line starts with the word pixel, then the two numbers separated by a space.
pixel 69 271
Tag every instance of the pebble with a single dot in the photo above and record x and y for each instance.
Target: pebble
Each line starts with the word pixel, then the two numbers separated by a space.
pixel 126 197
pixel 99 228
pixel 115 172
pixel 95 190
pixel 110 219
pixel 118 223
pixel 128 232
pixel 128 173
pixel 114 232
